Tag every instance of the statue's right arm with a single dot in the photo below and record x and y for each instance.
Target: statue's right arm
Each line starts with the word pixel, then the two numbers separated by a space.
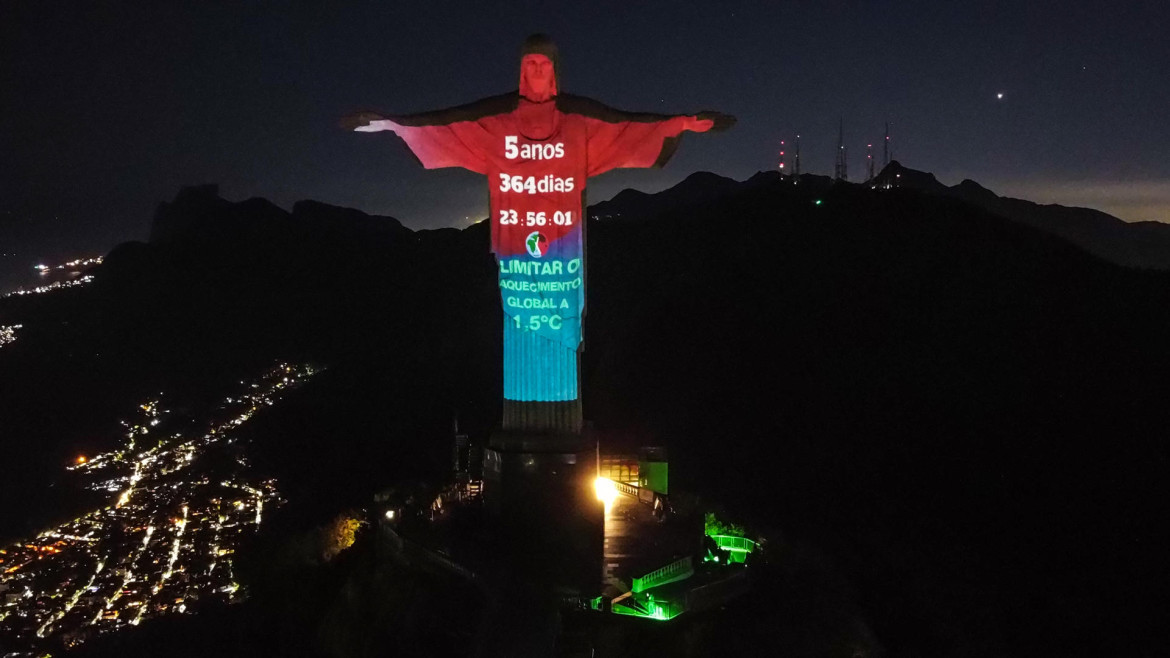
pixel 460 144
pixel 367 121
pixel 462 136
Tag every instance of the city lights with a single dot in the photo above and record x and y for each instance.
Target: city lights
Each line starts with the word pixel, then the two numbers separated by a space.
pixel 59 285
pixel 8 333
pixel 166 539
pixel 72 268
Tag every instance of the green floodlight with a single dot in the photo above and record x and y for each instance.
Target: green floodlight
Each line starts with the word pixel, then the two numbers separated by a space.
pixel 818 202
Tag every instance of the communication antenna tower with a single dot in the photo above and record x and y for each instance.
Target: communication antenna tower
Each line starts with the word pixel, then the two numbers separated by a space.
pixel 869 161
pixel 886 147
pixel 781 165
pixel 840 171
pixel 796 159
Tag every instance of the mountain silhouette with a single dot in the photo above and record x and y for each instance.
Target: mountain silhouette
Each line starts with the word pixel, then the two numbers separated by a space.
pixel 1137 244
pixel 948 420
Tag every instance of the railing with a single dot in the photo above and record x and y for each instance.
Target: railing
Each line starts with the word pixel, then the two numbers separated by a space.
pixel 661 610
pixel 627 489
pixel 734 543
pixel 677 570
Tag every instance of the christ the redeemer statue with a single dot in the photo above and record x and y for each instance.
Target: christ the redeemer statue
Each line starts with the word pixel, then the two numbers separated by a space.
pixel 537 147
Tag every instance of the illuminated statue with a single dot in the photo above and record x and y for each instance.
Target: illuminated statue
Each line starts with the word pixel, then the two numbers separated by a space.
pixel 537 147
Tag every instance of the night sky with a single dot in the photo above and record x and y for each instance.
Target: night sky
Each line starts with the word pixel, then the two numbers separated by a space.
pixel 107 108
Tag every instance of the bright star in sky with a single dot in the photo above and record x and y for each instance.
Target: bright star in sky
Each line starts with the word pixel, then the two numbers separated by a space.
pixel 999 96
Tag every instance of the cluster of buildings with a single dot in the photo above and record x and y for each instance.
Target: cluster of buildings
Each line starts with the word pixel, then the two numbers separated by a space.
pixel 8 333
pixel 179 508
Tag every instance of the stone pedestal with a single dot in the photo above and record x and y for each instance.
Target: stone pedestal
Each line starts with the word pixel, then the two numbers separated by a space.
pixel 540 488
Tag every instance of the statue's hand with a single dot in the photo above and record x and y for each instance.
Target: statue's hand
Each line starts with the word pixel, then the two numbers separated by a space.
pixel 716 121
pixel 697 125
pixel 362 121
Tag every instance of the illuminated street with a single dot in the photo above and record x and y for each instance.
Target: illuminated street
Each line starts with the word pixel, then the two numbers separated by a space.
pixel 58 277
pixel 165 540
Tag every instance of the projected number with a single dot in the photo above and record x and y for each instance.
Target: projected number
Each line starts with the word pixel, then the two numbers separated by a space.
pixel 535 322
pixel 510 217
pixel 546 184
pixel 517 184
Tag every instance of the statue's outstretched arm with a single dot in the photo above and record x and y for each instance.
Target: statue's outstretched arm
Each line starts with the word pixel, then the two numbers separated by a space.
pixel 635 139
pixel 452 137
pixel 367 122
pixel 715 122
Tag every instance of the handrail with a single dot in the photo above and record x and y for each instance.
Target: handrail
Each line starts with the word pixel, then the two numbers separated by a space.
pixel 734 543
pixel 677 570
pixel 627 489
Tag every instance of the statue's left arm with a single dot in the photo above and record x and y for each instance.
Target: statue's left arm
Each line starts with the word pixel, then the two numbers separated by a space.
pixel 620 139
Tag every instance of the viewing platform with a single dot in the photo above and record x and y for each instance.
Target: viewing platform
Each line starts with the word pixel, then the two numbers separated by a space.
pixel 656 566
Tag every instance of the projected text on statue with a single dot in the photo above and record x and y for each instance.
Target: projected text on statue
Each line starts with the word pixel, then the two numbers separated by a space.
pixel 537 148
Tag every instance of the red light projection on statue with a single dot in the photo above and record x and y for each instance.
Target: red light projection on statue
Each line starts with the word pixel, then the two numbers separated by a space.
pixel 537 148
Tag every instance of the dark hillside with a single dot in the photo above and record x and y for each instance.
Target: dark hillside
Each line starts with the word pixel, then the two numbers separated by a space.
pixel 957 416
pixel 965 409
pixel 1136 244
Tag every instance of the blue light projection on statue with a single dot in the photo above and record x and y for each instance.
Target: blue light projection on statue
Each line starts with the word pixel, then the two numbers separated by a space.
pixel 543 296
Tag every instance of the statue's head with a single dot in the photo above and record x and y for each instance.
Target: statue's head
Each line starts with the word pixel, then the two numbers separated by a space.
pixel 539 68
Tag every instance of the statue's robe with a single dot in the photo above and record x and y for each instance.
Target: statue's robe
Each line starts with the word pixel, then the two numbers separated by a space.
pixel 537 157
